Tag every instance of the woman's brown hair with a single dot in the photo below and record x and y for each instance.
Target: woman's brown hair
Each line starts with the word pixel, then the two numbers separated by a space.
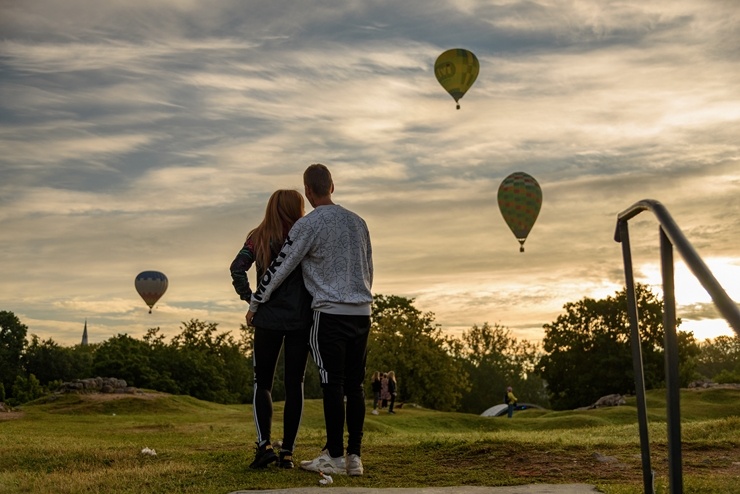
pixel 283 209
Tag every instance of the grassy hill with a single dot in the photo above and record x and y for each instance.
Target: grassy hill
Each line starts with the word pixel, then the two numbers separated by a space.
pixel 93 443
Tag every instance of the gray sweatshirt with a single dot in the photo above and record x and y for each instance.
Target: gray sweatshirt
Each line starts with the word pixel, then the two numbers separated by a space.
pixel 332 245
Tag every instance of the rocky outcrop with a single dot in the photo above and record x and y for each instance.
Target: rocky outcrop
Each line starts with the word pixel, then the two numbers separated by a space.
pixel 710 384
pixel 614 400
pixel 97 385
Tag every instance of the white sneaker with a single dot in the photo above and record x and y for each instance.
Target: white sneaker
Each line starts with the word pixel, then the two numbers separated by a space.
pixel 375 411
pixel 354 466
pixel 326 464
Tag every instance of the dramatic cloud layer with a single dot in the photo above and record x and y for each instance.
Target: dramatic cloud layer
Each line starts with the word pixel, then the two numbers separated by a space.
pixel 138 135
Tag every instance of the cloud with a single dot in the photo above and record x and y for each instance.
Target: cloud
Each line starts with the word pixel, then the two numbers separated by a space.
pixel 699 311
pixel 138 135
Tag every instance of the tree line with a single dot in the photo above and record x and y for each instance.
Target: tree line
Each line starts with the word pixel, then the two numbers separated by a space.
pixel 585 354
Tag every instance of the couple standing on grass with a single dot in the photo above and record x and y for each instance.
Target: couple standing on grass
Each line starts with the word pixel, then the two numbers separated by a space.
pixel 315 276
pixel 384 390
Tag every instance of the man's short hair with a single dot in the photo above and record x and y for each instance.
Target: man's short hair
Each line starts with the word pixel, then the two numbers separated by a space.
pixel 317 177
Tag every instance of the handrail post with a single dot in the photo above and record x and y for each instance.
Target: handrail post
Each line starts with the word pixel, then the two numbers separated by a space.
pixel 648 475
pixel 673 384
pixel 670 236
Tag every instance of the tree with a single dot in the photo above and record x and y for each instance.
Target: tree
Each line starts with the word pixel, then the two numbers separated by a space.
pixel 688 358
pixel 49 361
pixel 719 356
pixel 588 352
pixel 124 357
pixel 12 344
pixel 494 359
pixel 198 362
pixel 210 366
pixel 161 358
pixel 408 342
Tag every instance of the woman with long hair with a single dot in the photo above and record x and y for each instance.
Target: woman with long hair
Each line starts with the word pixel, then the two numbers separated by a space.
pixel 375 382
pixel 392 388
pixel 283 321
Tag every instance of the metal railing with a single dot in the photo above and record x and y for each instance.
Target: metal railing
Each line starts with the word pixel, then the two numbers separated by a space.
pixel 670 236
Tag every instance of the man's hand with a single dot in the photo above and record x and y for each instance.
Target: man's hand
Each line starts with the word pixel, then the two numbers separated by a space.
pixel 250 318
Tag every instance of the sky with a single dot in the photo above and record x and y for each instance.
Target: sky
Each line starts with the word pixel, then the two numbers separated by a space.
pixel 139 135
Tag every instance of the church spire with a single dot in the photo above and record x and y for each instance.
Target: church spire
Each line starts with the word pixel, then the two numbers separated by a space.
pixel 84 335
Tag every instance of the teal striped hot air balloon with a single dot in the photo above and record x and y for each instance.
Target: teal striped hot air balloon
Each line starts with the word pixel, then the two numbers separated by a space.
pixel 520 200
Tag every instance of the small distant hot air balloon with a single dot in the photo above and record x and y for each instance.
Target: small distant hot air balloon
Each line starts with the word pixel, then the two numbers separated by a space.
pixel 456 70
pixel 520 200
pixel 151 285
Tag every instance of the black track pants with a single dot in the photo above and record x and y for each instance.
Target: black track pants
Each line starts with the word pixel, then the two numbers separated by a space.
pixel 339 348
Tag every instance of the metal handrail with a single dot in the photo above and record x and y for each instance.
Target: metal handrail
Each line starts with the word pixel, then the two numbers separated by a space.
pixel 724 303
pixel 670 235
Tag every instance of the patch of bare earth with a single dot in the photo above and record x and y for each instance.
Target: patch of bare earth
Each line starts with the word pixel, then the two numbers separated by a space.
pixel 7 413
pixel 141 395
pixel 10 415
pixel 615 466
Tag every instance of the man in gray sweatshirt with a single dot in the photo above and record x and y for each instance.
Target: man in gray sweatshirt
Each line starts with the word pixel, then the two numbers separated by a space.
pixel 332 245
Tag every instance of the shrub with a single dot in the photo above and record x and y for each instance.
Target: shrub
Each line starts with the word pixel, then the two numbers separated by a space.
pixel 726 377
pixel 25 390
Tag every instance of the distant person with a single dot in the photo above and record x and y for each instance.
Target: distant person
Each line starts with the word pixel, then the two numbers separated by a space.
pixel 392 388
pixel 284 321
pixel 510 400
pixel 332 246
pixel 385 395
pixel 375 384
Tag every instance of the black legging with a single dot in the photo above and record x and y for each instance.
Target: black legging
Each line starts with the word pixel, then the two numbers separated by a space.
pixel 267 344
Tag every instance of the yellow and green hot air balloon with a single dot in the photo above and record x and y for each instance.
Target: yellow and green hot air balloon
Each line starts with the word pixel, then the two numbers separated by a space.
pixel 520 200
pixel 456 70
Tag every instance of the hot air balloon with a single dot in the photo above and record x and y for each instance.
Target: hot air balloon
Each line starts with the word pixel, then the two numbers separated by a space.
pixel 456 70
pixel 151 285
pixel 520 200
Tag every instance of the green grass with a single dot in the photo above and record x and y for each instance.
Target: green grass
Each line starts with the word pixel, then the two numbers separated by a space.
pixel 82 444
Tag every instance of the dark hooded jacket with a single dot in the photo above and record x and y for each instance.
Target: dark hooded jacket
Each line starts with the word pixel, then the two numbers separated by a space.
pixel 289 309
